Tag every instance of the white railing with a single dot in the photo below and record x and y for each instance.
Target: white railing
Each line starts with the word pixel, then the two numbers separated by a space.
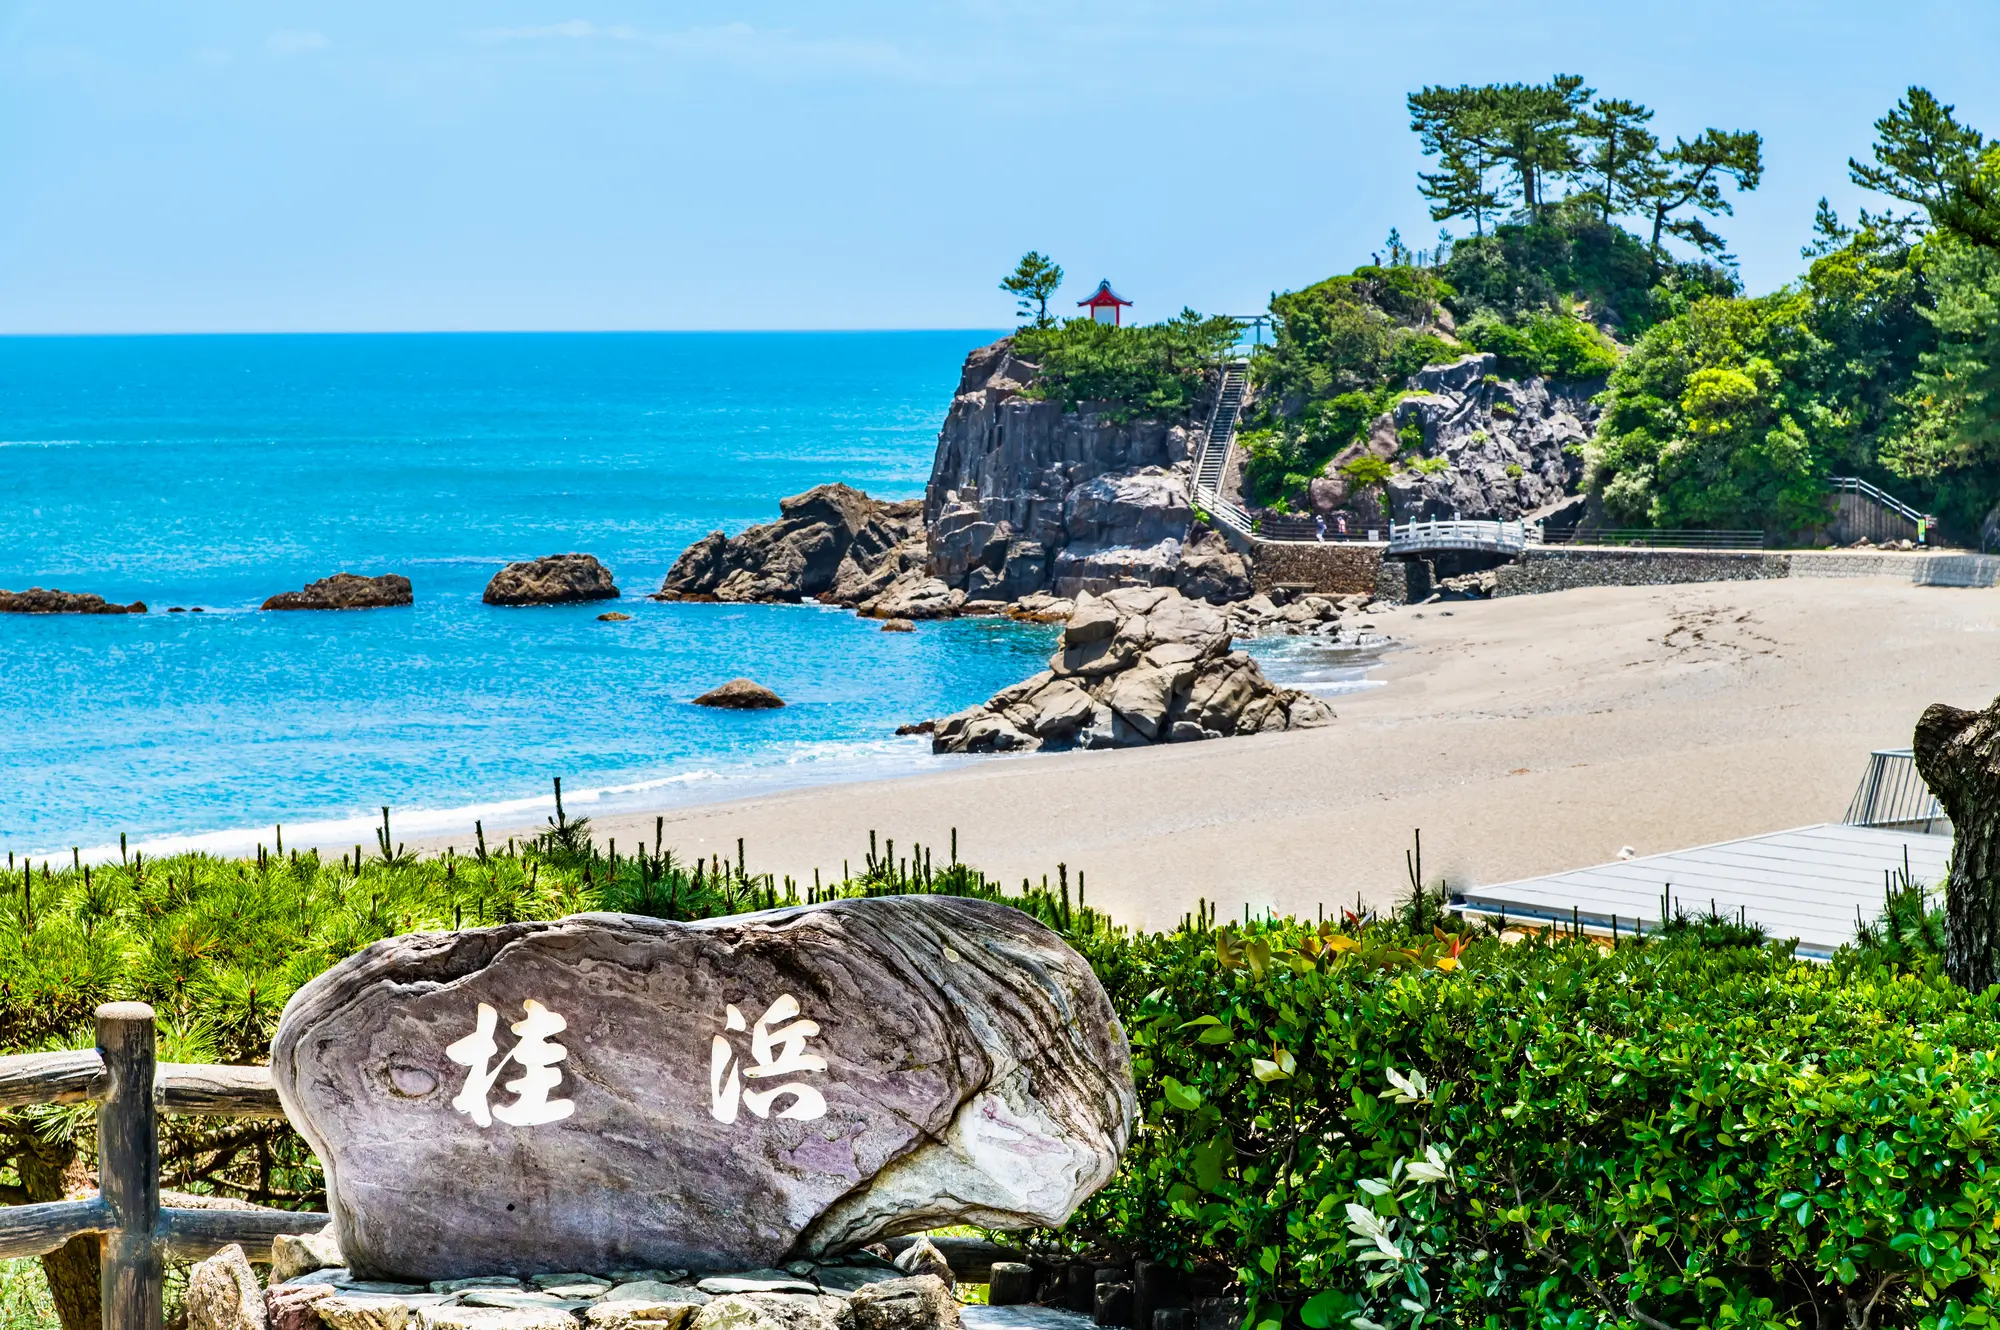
pixel 1458 534
pixel 1859 486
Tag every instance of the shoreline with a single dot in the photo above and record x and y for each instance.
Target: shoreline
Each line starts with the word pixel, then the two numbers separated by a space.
pixel 1522 735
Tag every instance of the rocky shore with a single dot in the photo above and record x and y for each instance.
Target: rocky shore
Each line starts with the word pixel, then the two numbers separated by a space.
pixel 346 591
pixel 1140 665
pixel 37 601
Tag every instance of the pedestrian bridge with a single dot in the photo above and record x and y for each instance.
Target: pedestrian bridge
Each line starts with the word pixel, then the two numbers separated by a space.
pixel 1436 537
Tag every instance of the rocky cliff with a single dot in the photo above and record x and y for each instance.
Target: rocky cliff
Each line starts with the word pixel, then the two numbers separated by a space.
pixel 832 543
pixel 1025 496
pixel 1490 448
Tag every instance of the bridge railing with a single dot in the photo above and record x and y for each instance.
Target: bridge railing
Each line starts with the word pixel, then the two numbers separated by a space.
pixel 138 1233
pixel 1458 534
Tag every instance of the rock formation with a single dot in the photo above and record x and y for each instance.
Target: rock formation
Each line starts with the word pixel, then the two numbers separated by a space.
pixel 553 579
pixel 740 695
pixel 832 543
pixel 1136 666
pixel 345 591
pixel 37 601
pixel 1025 496
pixel 1491 448
pixel 708 1096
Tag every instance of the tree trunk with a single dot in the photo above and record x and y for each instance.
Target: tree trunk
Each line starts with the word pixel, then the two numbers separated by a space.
pixel 72 1270
pixel 1958 755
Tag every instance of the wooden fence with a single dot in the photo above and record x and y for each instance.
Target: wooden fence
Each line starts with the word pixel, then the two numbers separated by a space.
pixel 138 1234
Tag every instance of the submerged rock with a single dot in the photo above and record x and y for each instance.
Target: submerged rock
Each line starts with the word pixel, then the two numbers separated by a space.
pixel 1137 666
pixel 740 695
pixel 37 601
pixel 715 1096
pixel 898 626
pixel 553 579
pixel 832 543
pixel 346 591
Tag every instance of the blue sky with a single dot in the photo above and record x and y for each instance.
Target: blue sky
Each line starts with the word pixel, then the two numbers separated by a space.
pixel 550 164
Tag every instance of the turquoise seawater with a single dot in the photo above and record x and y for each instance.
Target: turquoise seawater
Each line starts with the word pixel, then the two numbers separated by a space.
pixel 216 471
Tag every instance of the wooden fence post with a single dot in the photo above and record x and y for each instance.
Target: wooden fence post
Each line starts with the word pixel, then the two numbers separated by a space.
pixel 128 1169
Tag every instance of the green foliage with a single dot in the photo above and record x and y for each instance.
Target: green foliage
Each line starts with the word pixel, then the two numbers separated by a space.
pixel 1923 155
pixel 25 1303
pixel 1153 370
pixel 1034 279
pixel 1573 255
pixel 1366 470
pixel 1729 413
pixel 1380 1126
pixel 1552 346
pixel 1430 466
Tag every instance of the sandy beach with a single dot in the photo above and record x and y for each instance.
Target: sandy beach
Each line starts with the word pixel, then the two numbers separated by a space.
pixel 1523 735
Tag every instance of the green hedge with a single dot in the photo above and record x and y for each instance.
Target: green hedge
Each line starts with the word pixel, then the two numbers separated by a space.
pixel 1155 369
pixel 1370 1125
pixel 1381 1128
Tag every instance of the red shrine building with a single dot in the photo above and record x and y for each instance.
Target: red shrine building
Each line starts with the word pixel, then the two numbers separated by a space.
pixel 1104 303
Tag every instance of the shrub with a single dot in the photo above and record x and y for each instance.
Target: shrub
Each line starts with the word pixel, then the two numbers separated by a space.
pixel 1379 1127
pixel 1551 346
pixel 1411 436
pixel 1366 470
pixel 1514 471
pixel 1506 410
pixel 1430 466
pixel 1155 369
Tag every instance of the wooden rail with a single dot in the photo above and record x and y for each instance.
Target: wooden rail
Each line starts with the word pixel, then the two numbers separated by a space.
pixel 138 1234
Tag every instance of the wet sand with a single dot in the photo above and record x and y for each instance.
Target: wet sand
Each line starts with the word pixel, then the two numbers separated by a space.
pixel 1523 735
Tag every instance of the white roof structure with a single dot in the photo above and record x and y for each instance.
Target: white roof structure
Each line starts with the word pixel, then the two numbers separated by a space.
pixel 1812 883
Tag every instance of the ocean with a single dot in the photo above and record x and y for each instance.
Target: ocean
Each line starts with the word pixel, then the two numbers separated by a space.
pixel 214 471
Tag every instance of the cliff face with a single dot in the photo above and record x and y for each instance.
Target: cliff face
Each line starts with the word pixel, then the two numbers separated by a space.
pixel 1510 447
pixel 1491 449
pixel 1025 497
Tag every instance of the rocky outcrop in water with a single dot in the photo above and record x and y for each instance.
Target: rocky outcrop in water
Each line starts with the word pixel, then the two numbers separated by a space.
pixel 741 695
pixel 1025 496
pixel 37 601
pixel 1137 666
pixel 553 579
pixel 346 591
pixel 832 543
pixel 614 1093
pixel 1491 448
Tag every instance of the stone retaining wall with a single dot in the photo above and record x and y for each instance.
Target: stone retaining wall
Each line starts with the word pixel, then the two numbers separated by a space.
pixel 1344 569
pixel 1563 567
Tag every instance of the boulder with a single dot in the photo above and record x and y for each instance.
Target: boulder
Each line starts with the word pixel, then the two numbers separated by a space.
pixel 740 695
pixel 1209 570
pixel 614 616
pixel 898 626
pixel 346 591
pixel 832 543
pixel 1139 665
pixel 293 1255
pixel 914 595
pixel 923 1258
pixel 37 601
pixel 290 1306
pixel 711 1096
pixel 222 1294
pixel 553 579
pixel 921 1302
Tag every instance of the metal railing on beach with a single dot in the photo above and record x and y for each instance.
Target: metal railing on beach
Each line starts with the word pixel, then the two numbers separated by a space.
pixel 1893 794
pixel 132 1090
pixel 1648 538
